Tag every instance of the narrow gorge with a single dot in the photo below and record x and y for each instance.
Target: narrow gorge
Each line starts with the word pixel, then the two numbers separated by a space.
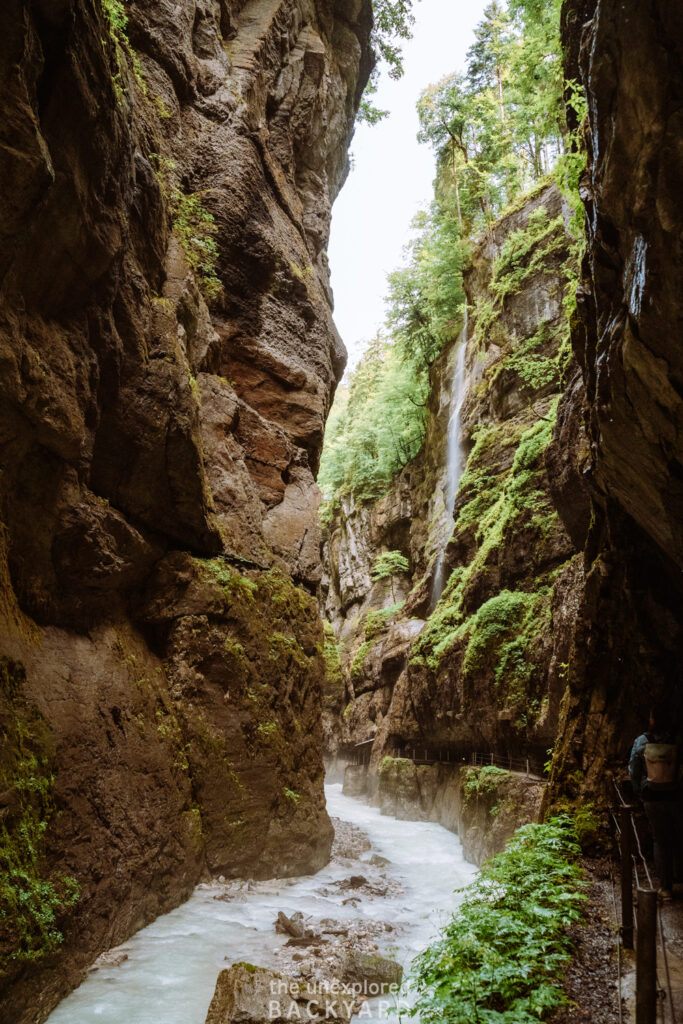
pixel 456 587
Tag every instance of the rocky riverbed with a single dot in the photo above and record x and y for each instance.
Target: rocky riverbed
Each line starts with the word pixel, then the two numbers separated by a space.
pixel 167 972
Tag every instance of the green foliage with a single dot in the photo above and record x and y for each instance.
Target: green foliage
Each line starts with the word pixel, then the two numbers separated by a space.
pixel 31 900
pixel 388 564
pixel 529 250
pixel 115 14
pixel 238 588
pixel 522 254
pixel 536 369
pixel 358 663
pixel 426 297
pixel 502 956
pixel 503 629
pixel 501 125
pixel 291 795
pixel 376 427
pixel 195 228
pixel 392 24
pixel 483 782
pixel 331 655
pixel 376 621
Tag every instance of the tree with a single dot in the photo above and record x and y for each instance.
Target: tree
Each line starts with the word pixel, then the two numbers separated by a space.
pixel 388 566
pixel 392 24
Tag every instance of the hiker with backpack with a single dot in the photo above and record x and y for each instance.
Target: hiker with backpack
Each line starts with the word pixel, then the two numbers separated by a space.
pixel 654 769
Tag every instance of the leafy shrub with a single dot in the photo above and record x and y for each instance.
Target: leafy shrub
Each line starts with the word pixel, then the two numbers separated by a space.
pixel 483 782
pixel 115 14
pixel 501 958
pixel 31 899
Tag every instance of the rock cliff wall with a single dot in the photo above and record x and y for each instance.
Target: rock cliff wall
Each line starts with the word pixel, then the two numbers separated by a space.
pixel 483 670
pixel 168 360
pixel 483 805
pixel 627 341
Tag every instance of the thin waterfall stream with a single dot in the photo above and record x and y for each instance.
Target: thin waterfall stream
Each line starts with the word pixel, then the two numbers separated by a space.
pixel 454 458
pixel 171 966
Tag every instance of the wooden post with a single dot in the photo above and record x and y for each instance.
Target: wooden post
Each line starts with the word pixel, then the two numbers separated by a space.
pixel 626 877
pixel 527 765
pixel 646 958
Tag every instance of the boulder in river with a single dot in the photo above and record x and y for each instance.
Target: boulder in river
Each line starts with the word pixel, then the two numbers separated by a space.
pixel 371 968
pixel 246 994
pixel 294 925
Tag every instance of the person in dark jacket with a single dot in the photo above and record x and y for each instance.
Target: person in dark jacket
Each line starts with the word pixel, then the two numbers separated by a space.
pixel 654 769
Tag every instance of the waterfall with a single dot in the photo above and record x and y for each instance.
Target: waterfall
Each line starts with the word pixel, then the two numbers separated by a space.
pixel 454 458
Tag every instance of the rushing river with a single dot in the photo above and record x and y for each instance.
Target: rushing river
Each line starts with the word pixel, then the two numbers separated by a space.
pixel 172 965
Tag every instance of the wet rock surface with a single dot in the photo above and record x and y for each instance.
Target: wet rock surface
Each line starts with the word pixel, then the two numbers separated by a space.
pixel 400 695
pixel 252 994
pixel 347 949
pixel 154 416
pixel 625 422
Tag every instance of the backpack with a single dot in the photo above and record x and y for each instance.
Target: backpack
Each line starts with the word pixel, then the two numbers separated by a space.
pixel 660 761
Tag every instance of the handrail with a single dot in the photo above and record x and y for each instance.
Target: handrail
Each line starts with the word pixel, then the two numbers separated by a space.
pixel 648 920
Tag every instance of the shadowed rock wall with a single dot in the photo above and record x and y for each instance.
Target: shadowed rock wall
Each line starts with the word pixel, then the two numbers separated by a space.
pixel 161 416
pixel 627 339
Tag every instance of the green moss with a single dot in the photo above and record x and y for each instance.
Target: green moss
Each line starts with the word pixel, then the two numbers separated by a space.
pixel 194 226
pixel 32 900
pixel 377 621
pixel 535 361
pixel 523 255
pixel 586 819
pixel 293 796
pixel 250 968
pixel 499 637
pixel 266 729
pixel 483 783
pixel 239 590
pixel 285 651
pixel 358 663
pixel 396 765
pixel 334 677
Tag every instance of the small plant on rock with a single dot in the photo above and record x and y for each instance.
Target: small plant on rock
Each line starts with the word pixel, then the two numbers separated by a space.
pixel 389 565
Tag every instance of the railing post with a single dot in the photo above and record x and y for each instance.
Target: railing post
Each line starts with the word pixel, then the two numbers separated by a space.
pixel 626 877
pixel 527 765
pixel 646 958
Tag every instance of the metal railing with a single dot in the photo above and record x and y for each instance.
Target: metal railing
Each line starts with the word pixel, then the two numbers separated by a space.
pixel 360 753
pixel 646 924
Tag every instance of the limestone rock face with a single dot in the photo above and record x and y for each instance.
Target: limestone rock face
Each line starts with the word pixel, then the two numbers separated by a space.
pixel 627 341
pixel 484 810
pixel 483 670
pixel 161 416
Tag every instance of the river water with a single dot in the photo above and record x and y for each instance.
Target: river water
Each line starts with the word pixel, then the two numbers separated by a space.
pixel 172 965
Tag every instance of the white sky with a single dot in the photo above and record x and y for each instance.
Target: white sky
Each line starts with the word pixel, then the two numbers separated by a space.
pixel 392 174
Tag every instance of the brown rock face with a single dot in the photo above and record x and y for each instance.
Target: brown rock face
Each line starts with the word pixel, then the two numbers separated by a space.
pixel 165 379
pixel 627 341
pixel 486 670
